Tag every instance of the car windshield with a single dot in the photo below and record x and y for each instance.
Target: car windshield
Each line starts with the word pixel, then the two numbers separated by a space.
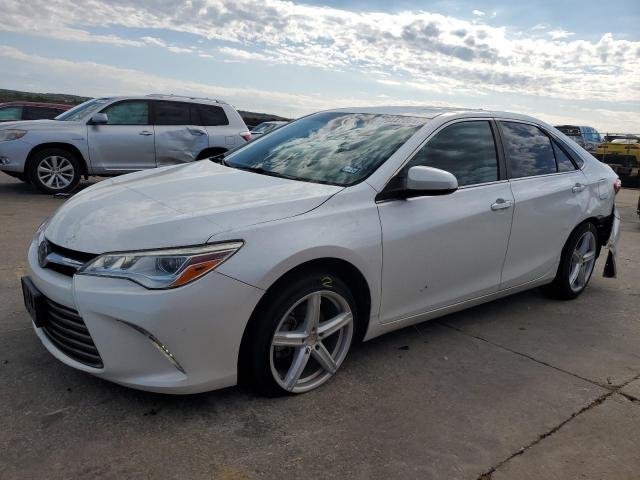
pixel 570 131
pixel 83 110
pixel 330 147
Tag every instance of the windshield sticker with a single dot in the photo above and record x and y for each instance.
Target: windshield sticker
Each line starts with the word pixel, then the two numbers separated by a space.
pixel 350 169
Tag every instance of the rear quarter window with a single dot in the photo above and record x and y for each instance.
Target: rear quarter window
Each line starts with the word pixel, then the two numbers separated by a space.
pixel 212 116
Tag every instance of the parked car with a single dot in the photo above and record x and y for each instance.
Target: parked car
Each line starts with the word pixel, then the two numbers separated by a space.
pixel 114 135
pixel 13 111
pixel 587 137
pixel 340 226
pixel 266 127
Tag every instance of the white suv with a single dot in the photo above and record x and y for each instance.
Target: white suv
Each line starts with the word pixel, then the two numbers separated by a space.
pixel 115 135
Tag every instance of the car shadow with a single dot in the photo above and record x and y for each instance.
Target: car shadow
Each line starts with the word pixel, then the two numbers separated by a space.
pixel 15 187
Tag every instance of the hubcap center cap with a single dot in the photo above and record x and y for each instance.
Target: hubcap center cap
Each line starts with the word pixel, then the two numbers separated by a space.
pixel 312 339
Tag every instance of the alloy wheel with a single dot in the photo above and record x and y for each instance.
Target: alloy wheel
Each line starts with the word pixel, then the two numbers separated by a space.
pixel 55 172
pixel 583 260
pixel 311 341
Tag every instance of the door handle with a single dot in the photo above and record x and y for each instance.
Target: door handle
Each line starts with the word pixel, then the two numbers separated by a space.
pixel 195 131
pixel 578 187
pixel 501 204
pixel 146 133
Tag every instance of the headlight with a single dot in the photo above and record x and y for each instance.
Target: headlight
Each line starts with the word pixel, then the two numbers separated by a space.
pixel 167 268
pixel 11 134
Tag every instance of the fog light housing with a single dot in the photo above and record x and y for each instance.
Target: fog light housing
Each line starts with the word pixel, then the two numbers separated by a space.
pixel 4 161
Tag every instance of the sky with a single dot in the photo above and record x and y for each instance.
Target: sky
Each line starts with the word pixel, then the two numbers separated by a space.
pixel 561 61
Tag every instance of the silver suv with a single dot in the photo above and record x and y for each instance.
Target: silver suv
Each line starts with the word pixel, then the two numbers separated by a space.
pixel 115 135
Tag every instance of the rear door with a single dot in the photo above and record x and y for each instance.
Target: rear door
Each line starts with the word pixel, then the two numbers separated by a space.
pixel 126 142
pixel 179 138
pixel 441 250
pixel 550 197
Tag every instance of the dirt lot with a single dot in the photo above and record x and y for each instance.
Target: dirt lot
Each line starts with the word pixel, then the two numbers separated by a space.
pixel 522 388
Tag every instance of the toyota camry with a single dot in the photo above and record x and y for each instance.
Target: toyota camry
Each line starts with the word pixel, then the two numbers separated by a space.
pixel 267 265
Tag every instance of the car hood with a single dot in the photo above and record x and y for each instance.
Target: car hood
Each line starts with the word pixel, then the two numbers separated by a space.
pixel 38 124
pixel 177 205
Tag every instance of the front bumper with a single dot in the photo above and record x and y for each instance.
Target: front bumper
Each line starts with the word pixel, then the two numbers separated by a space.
pixel 13 155
pixel 184 340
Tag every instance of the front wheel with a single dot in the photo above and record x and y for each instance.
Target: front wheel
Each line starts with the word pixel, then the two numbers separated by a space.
pixel 302 336
pixel 576 264
pixel 54 170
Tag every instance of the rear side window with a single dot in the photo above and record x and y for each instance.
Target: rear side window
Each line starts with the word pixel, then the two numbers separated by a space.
pixel 212 116
pixel 528 150
pixel 172 113
pixel 10 113
pixel 40 113
pixel 466 149
pixel 133 112
pixel 562 159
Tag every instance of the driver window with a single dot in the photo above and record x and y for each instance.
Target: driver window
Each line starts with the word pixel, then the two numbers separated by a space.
pixel 466 149
pixel 128 113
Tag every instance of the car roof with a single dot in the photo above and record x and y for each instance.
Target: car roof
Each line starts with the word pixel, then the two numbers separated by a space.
pixel 163 96
pixel 429 112
pixel 37 104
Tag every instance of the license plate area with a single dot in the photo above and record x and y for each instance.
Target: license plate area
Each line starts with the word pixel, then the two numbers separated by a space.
pixel 33 301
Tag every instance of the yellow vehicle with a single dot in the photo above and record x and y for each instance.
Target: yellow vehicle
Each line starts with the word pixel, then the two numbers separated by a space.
pixel 622 154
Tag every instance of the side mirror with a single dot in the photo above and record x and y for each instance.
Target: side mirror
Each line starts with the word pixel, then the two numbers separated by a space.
pixel 430 181
pixel 99 119
pixel 419 182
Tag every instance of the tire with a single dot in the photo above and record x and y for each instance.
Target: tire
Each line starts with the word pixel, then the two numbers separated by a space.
pixel 576 264
pixel 63 165
pixel 269 368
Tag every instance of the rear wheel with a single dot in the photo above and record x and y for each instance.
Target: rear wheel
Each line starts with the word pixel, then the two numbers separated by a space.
pixel 54 170
pixel 577 263
pixel 302 336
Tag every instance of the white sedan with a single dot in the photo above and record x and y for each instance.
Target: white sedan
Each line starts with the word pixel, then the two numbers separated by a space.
pixel 338 227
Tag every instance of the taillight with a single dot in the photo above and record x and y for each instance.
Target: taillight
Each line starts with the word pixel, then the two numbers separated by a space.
pixel 246 136
pixel 603 147
pixel 617 185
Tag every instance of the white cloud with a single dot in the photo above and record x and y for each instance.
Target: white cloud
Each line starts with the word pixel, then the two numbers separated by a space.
pixel 558 34
pixel 478 13
pixel 91 79
pixel 432 52
pixel 540 26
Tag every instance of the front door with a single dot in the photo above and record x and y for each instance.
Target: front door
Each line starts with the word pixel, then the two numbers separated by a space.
pixel 441 250
pixel 126 142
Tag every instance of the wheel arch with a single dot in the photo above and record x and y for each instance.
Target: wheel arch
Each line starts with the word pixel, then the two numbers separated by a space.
pixel 603 225
pixel 65 146
pixel 210 152
pixel 348 272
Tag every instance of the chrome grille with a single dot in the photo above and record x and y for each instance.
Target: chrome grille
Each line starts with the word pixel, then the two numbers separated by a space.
pixel 60 259
pixel 68 332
